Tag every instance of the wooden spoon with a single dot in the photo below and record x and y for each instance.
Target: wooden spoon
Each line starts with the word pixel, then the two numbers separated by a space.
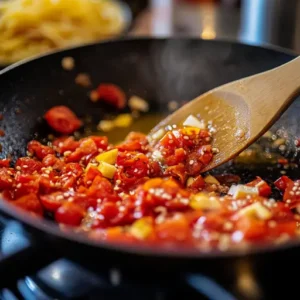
pixel 243 110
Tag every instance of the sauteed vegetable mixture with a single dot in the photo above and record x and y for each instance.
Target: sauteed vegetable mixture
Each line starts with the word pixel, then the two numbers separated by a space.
pixel 147 190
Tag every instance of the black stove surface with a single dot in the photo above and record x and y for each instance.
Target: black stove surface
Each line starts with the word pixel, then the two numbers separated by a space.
pixel 64 279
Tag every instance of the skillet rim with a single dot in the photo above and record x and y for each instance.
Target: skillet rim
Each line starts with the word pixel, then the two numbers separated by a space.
pixel 50 227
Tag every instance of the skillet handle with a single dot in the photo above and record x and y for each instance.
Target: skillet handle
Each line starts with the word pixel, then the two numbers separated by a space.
pixel 20 254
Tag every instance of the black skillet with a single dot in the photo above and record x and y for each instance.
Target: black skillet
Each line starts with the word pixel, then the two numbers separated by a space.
pixel 159 70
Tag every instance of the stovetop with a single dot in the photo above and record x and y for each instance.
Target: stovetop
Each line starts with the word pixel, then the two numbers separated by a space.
pixel 64 279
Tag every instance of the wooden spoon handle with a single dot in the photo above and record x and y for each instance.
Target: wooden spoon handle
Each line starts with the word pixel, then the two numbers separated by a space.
pixel 268 94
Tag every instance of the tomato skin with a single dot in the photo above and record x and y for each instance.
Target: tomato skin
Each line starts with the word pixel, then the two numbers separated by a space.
pixel 30 203
pixel 177 172
pixel 174 229
pixel 51 161
pixel 100 141
pixel 86 147
pixel 65 144
pixel 282 182
pixel 90 175
pixel 4 163
pixel 178 157
pixel 70 214
pixel 39 150
pixel 112 94
pixel 26 184
pixel 28 165
pixel 62 120
pixel 109 210
pixel 253 229
pixel 6 180
pixel 292 193
pixel 198 184
pixel 263 188
pixel 287 227
pixel 52 202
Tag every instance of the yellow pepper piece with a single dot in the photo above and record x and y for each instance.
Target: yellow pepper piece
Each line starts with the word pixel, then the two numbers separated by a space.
pixel 142 228
pixel 190 130
pixel 205 202
pixel 108 156
pixel 107 170
pixel 123 120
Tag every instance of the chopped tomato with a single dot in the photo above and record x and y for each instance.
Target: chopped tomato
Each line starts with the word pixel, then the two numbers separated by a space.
pixel 147 191
pixel 252 229
pixel 282 183
pixel 292 193
pixel 29 203
pixel 40 151
pixel 263 188
pixel 174 229
pixel 62 119
pixel 4 163
pixel 6 178
pixel 112 94
pixel 28 165
pixel 53 201
pixel 69 214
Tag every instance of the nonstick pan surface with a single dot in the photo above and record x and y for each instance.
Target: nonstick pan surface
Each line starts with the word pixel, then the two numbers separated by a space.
pixel 159 70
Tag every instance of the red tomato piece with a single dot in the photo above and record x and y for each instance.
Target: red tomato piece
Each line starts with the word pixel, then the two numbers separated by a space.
pixel 112 94
pixel 109 210
pixel 177 172
pixel 87 147
pixel 26 184
pixel 263 188
pixel 282 182
pixel 100 141
pixel 174 229
pixel 29 203
pixel 285 227
pixel 51 161
pixel 292 193
pixel 62 119
pixel 198 184
pixel 65 144
pixel 52 202
pixel 70 214
pixel 178 157
pixel 4 163
pixel 28 165
pixel 100 187
pixel 6 179
pixel 253 229
pixel 90 175
pixel 39 150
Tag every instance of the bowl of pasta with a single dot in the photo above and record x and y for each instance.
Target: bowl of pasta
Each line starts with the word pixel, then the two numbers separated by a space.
pixel 32 27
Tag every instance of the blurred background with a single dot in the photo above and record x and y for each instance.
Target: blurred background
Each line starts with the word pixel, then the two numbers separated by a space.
pixel 30 27
pixel 253 21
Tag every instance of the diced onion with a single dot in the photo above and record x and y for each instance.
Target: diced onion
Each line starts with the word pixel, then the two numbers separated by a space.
pixel 157 155
pixel 137 103
pixel 194 122
pixel 241 191
pixel 158 134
